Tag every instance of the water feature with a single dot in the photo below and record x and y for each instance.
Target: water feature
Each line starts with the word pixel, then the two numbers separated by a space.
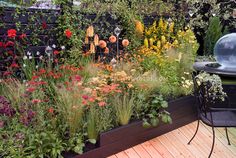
pixel 225 54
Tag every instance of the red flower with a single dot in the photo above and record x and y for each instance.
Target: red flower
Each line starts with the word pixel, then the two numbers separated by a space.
pixel 51 110
pixel 56 52
pixel 34 77
pixel 1 44
pixel 85 97
pixel 9 43
pixel 44 25
pixel 6 73
pixel 11 33
pixel 68 33
pixel 23 35
pixel 36 101
pixel 14 65
pixel 56 60
pixel 31 89
pixel 77 78
pixel 42 71
pixel 10 52
pixel 102 103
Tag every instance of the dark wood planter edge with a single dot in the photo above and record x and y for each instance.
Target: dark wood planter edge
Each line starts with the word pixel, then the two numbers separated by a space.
pixel 182 112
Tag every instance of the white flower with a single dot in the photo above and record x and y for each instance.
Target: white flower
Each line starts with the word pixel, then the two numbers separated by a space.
pixel 41 57
pixel 113 61
pixel 36 66
pixel 53 46
pixel 63 47
pixel 24 82
pixel 38 53
pixel 30 57
pixel 25 57
pixel 28 53
pixel 24 65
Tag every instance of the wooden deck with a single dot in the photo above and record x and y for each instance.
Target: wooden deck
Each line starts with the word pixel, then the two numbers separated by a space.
pixel 174 144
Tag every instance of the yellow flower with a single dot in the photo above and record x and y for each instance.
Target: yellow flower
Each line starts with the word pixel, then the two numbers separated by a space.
pixel 171 28
pixel 146 42
pixel 151 40
pixel 163 39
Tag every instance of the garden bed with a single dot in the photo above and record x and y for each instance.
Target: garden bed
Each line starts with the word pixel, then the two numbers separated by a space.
pixel 182 112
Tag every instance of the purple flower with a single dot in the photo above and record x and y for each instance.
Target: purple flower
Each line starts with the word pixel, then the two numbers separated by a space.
pixel 6 108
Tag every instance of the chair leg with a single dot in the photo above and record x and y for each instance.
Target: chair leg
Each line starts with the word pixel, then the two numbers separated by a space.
pixel 213 143
pixel 227 135
pixel 198 122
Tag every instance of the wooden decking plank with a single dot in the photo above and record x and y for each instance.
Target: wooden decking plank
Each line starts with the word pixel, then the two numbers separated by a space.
pixel 161 148
pixel 122 155
pixel 141 151
pixel 174 144
pixel 151 150
pixel 178 145
pixel 113 156
pixel 165 142
pixel 219 148
pixel 230 149
pixel 232 138
pixel 131 153
pixel 184 140
pixel 196 142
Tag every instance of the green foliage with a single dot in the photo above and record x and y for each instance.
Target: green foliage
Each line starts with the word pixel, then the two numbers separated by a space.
pixel 154 111
pixel 99 119
pixel 203 12
pixel 213 33
pixel 123 105
pixel 212 85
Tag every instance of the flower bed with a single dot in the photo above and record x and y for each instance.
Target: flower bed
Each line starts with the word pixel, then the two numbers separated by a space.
pixel 182 112
pixel 91 92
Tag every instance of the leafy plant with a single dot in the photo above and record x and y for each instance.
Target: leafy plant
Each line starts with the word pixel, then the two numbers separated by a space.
pixel 211 84
pixel 154 111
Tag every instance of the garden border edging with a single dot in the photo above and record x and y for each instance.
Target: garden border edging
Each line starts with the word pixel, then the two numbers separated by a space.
pixel 182 112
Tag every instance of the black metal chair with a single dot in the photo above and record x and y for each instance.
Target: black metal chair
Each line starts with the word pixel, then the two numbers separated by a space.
pixel 213 111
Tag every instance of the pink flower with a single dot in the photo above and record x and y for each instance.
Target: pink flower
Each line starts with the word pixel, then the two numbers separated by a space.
pixel 91 99
pixel 51 110
pixel 102 103
pixel 77 78
pixel 23 35
pixel 56 52
pixel 84 102
pixel 85 97
pixel 31 89
pixel 36 101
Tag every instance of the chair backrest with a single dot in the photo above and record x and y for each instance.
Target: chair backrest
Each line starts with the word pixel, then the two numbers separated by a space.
pixel 199 94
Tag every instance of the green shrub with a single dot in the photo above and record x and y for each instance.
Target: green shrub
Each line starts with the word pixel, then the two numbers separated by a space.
pixel 213 33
